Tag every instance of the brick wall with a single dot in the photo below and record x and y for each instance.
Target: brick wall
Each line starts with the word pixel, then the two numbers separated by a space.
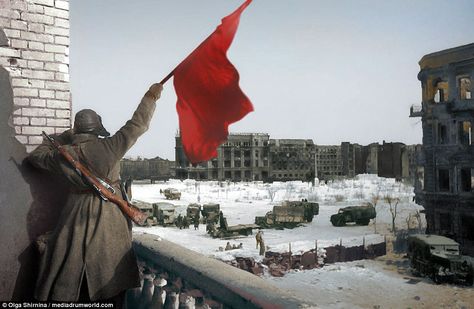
pixel 37 58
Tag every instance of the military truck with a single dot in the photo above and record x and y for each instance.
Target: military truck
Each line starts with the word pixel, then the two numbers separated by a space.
pixel 210 213
pixel 146 208
pixel 193 212
pixel 361 215
pixel 225 231
pixel 288 215
pixel 164 213
pixel 171 194
pixel 438 257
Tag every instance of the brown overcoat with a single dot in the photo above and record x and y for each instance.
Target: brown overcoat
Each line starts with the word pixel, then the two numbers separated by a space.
pixel 93 238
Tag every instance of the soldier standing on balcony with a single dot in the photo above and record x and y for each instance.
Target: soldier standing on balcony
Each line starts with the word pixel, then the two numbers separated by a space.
pixel 89 255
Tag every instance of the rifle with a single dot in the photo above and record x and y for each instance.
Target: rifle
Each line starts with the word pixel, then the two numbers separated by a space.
pixel 105 190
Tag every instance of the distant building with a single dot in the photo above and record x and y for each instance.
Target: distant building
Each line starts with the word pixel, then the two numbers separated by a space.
pixel 328 162
pixel 242 157
pixel 155 169
pixel 445 185
pixel 292 159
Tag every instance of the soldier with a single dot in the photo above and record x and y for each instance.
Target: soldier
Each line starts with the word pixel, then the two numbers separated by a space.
pixel 228 246
pixel 179 221
pixel 196 222
pixel 258 238
pixel 185 222
pixel 89 254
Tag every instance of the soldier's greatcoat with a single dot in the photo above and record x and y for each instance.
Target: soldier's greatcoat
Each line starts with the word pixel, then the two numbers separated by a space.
pixel 93 238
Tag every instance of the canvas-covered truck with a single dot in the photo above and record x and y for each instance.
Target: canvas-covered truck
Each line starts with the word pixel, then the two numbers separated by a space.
pixel 171 194
pixel 210 213
pixel 193 212
pixel 148 209
pixel 360 215
pixel 223 230
pixel 288 215
pixel 439 258
pixel 164 213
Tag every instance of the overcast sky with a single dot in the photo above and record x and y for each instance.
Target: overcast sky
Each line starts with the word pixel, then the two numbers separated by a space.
pixel 330 71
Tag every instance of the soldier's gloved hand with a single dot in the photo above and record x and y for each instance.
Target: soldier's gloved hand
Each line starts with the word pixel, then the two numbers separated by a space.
pixel 155 91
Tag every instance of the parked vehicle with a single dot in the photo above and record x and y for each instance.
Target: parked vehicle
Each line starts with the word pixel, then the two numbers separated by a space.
pixel 360 215
pixel 164 213
pixel 171 194
pixel 439 258
pixel 210 213
pixel 193 212
pixel 288 215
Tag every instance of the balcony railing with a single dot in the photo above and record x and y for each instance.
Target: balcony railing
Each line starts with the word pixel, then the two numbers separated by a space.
pixel 188 279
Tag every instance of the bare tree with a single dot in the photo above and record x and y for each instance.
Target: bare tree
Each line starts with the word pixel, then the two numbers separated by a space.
pixel 290 188
pixel 271 192
pixel 417 216
pixel 393 207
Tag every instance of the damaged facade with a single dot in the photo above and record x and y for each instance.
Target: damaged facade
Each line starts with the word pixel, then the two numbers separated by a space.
pixel 445 180
pixel 254 156
pixel 155 168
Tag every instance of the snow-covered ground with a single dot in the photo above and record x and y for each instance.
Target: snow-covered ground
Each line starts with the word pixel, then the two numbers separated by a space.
pixel 241 202
pixel 360 284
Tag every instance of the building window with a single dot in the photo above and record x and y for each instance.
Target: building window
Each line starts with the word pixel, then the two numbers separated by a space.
pixel 227 175
pixel 467 227
pixel 465 133
pixel 443 179
pixel 442 134
pixel 464 86
pixel 440 92
pixel 237 163
pixel 466 179
pixel 226 163
pixel 247 174
pixel 444 223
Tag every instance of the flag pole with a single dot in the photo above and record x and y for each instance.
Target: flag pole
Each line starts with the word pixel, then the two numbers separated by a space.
pixel 164 80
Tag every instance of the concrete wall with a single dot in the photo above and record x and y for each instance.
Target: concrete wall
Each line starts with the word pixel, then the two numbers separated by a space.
pixel 34 96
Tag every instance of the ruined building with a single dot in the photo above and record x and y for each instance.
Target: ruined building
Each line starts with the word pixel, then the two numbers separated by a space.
pixel 154 169
pixel 445 186
pixel 291 159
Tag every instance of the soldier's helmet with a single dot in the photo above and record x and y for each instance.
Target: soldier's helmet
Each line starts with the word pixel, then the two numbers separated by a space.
pixel 88 121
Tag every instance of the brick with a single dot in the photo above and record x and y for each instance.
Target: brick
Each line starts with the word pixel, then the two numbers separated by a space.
pixel 35 64
pixel 34 74
pixel 58 67
pixel 56 12
pixel 21 120
pixel 12 14
pixel 34 27
pixel 12 33
pixel 58 122
pixel 25 92
pixel 61 40
pixel 35 140
pixel 36 45
pixel 21 138
pixel 38 37
pixel 61 58
pixel 4 22
pixel 44 2
pixel 60 49
pixel 36 55
pixel 15 43
pixel 57 86
pixel 35 121
pixel 37 112
pixel 18 24
pixel 38 102
pixel 62 77
pixel 36 83
pixel 35 8
pixel 63 95
pixel 63 23
pixel 17 111
pixel 61 113
pixel 37 18
pixel 61 4
pixel 20 82
pixel 48 94
pixel 58 104
pixel 9 52
pixel 30 130
pixel 18 5
pixel 56 30
pixel 18 129
pixel 21 102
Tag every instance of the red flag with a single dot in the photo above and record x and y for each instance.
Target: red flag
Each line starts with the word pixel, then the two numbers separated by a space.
pixel 209 96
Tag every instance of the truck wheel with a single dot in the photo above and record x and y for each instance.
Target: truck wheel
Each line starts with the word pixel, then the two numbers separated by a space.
pixel 338 220
pixel 363 222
